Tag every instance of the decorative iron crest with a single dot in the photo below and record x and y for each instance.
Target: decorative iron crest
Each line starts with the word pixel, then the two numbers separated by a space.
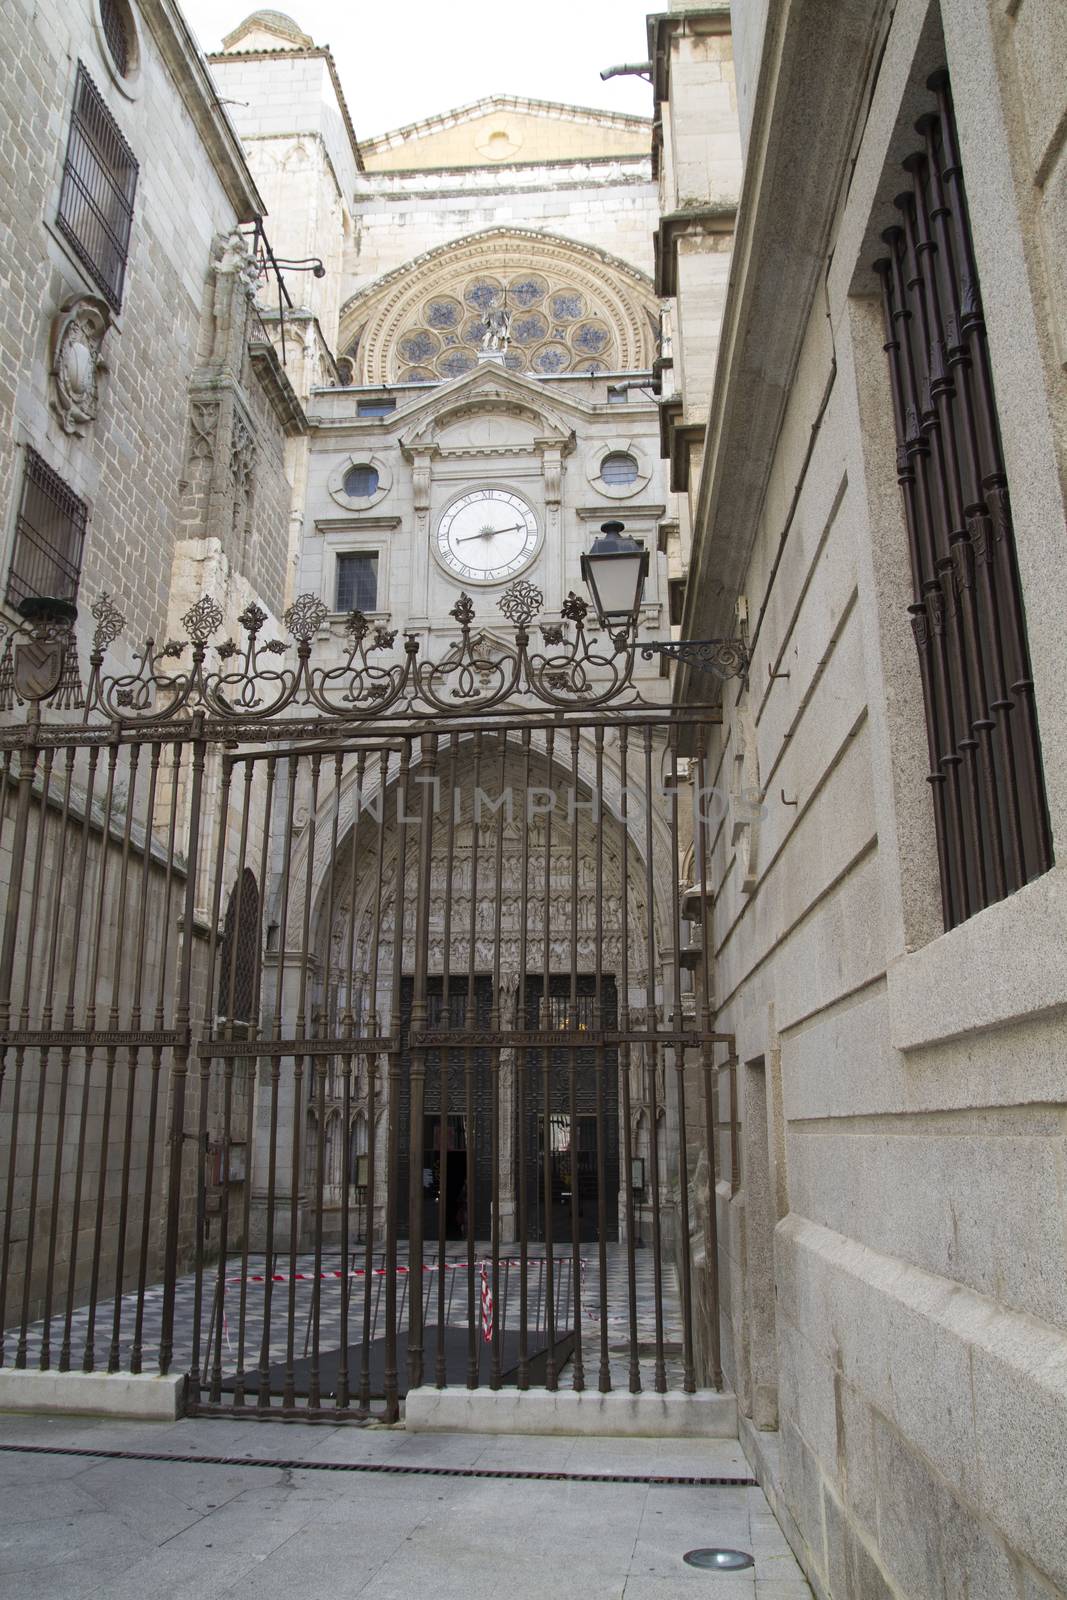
pixel 257 676
pixel 521 603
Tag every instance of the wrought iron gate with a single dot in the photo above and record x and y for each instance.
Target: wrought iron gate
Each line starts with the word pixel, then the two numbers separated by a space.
pixel 356 1026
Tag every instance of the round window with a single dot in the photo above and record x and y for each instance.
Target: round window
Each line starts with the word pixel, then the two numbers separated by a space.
pixel 619 468
pixel 118 33
pixel 360 482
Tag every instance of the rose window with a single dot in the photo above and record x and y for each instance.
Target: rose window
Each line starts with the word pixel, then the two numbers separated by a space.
pixel 554 328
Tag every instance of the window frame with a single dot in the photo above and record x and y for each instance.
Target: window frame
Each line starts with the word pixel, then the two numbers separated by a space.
pixel 38 473
pixel 74 193
pixel 989 797
pixel 375 555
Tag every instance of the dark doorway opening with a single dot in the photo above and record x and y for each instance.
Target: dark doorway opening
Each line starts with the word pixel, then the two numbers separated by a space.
pixel 573 1177
pixel 444 1177
pixel 465 1072
pixel 468 1169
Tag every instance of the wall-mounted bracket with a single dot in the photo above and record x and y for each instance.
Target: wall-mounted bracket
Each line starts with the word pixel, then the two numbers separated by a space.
pixel 726 658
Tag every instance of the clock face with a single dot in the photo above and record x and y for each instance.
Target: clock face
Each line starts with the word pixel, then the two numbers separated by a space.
pixel 487 536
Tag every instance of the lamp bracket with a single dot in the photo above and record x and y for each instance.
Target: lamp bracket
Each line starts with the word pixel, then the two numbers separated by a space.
pixel 726 658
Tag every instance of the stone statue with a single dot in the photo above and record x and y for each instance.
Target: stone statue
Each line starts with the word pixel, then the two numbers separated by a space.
pixel 497 328
pixel 78 331
pixel 231 254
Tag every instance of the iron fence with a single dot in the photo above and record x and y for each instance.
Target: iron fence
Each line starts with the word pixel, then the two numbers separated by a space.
pixel 380 1001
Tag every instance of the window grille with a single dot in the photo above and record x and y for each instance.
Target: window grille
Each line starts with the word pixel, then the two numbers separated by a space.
pixel 379 406
pixel 49 535
pixel 96 199
pixel 238 956
pixel 116 34
pixel 967 612
pixel 357 582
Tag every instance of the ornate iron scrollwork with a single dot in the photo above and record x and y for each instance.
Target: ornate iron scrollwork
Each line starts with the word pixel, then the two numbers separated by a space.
pixel 726 658
pixel 255 676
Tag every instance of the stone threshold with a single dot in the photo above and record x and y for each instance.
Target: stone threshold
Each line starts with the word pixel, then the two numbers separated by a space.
pixel 705 1415
pixel 143 1397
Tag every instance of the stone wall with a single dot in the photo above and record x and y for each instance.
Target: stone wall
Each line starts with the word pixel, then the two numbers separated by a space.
pixel 128 464
pixel 610 205
pixel 902 1087
pixel 180 456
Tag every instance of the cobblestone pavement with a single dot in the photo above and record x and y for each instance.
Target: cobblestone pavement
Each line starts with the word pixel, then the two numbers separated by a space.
pixel 331 1287
pixel 79 1525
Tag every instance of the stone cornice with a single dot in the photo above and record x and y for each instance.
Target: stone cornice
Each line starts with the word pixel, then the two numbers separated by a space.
pixel 707 221
pixel 315 53
pixel 553 109
pixel 277 388
pixel 796 165
pixel 501 176
pixel 353 524
pixel 189 71
pixel 711 20
pixel 676 439
pixel 622 509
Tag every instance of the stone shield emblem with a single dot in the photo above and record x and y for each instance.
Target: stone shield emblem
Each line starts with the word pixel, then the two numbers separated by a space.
pixel 39 668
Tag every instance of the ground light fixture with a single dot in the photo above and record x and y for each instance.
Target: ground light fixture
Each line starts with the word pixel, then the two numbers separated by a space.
pixel 614 570
pixel 719 1560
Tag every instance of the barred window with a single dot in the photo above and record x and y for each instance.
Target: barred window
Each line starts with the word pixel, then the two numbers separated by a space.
pixel 49 535
pixel 96 199
pixel 357 582
pixel 117 33
pixel 967 613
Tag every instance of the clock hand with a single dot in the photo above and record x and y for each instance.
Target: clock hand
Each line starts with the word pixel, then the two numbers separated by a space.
pixel 488 533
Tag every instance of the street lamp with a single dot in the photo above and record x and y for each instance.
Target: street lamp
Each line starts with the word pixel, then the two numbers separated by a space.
pixel 614 571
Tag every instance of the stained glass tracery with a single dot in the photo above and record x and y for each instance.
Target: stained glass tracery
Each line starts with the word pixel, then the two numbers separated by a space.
pixel 554 329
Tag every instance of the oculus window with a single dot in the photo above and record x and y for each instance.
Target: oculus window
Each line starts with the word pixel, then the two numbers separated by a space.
pixel 118 34
pixel 361 482
pixel 619 468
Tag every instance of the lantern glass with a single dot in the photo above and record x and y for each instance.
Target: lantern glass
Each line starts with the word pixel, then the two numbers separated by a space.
pixel 614 571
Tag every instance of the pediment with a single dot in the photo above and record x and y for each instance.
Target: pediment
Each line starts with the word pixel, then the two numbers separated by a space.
pixel 508 129
pixel 515 406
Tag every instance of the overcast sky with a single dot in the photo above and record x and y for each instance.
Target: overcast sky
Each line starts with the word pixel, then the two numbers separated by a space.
pixel 404 61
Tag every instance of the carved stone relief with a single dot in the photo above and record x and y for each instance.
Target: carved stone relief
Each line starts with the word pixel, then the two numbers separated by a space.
pixel 236 273
pixel 242 469
pixel 203 427
pixel 76 361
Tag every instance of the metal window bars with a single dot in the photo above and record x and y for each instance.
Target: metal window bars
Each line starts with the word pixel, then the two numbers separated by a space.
pixel 49 536
pixel 116 33
pixel 96 197
pixel 967 613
